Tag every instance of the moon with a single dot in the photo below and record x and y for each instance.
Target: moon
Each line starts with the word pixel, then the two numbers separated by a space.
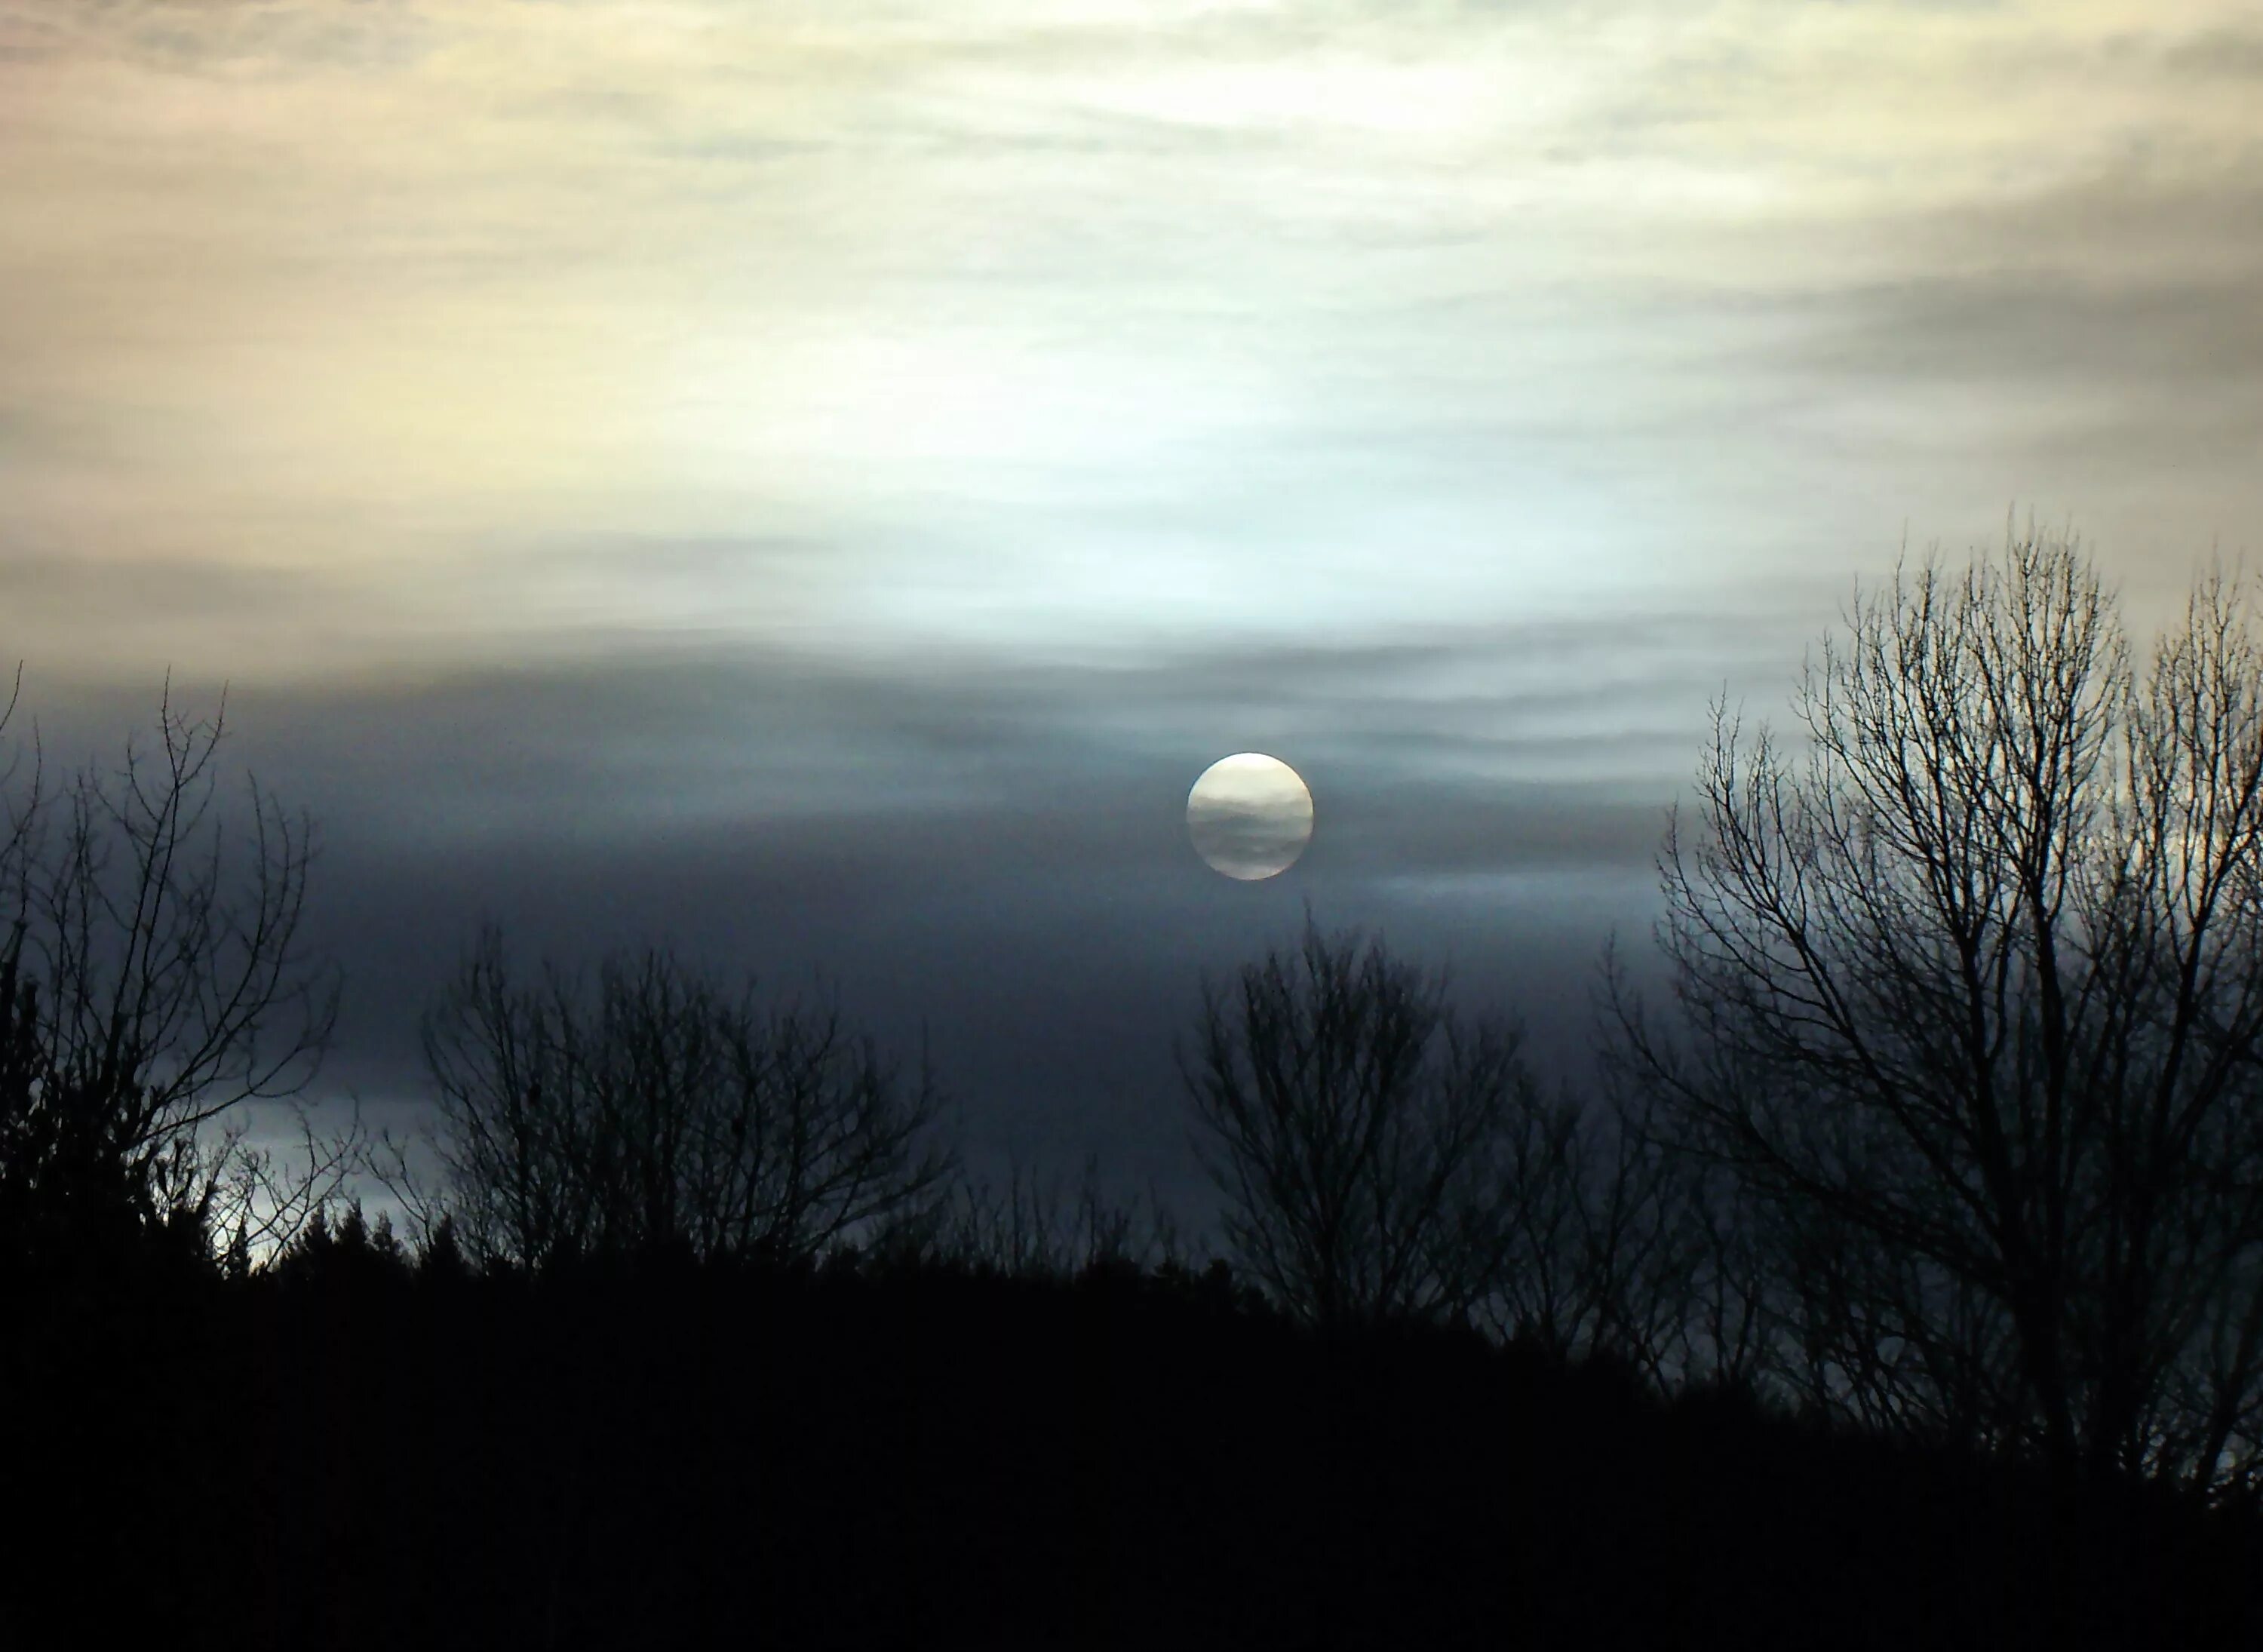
pixel 1249 815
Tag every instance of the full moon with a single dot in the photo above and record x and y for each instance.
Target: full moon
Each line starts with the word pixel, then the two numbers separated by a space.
pixel 1250 815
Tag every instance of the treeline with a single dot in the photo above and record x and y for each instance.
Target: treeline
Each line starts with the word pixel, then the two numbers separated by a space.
pixel 1944 1146
pixel 350 1449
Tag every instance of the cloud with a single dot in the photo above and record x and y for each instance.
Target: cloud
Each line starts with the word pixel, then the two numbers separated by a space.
pixel 2217 54
pixel 824 478
pixel 1048 332
pixel 239 38
pixel 995 859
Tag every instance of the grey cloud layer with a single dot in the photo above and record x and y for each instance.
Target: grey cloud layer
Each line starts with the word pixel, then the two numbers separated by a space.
pixel 995 857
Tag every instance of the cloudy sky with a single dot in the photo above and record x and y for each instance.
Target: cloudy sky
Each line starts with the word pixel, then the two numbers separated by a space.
pixel 818 481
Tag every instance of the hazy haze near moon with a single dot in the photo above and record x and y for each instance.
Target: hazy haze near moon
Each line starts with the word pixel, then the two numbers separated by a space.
pixel 1250 815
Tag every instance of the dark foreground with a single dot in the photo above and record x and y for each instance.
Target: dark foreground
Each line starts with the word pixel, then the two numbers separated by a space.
pixel 687 1459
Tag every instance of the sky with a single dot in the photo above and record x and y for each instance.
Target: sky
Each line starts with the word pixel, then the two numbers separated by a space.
pixel 815 483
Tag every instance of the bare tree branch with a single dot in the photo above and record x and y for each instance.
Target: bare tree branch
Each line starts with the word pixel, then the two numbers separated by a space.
pixel 660 1110
pixel 1970 999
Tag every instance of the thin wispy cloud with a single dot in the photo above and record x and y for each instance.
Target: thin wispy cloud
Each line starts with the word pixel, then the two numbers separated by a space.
pixel 1515 303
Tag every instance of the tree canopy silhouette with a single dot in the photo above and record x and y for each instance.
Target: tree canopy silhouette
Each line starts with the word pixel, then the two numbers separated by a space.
pixel 1353 1120
pixel 662 1110
pixel 151 982
pixel 1969 994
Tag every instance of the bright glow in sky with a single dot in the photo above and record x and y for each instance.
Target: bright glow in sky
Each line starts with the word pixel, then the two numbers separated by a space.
pixel 358 338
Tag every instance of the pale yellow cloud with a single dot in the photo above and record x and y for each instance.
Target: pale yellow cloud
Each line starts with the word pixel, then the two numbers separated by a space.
pixel 991 309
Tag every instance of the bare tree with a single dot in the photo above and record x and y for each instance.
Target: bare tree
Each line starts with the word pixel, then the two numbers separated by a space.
pixel 1970 999
pixel 1353 1124
pixel 154 982
pixel 662 1111
pixel 1033 1229
pixel 1591 1236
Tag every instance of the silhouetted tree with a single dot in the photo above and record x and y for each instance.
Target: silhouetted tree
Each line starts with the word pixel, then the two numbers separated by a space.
pixel 1355 1126
pixel 663 1111
pixel 440 1257
pixel 1608 1243
pixel 151 982
pixel 338 1244
pixel 1032 1228
pixel 1973 992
